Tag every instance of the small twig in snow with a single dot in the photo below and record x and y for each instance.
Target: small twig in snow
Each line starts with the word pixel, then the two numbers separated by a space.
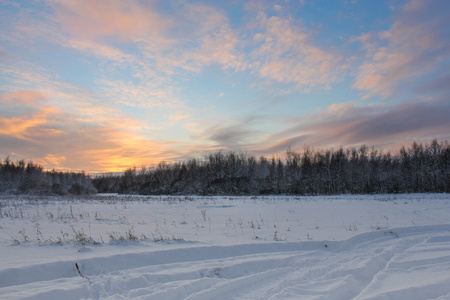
pixel 81 274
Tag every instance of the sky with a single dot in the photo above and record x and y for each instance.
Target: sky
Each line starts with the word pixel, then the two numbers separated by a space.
pixel 102 86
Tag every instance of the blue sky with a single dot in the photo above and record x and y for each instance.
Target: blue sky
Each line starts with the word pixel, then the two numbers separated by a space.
pixel 105 85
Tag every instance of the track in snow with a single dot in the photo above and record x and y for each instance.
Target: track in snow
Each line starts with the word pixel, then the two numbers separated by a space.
pixel 371 265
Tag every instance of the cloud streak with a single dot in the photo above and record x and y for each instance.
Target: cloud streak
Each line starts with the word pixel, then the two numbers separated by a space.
pixel 102 87
pixel 379 126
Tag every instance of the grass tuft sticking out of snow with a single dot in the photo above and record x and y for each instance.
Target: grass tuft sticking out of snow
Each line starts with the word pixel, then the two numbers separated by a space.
pixel 336 247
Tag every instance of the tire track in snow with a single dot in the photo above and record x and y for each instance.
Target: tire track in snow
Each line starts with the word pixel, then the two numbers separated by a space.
pixel 343 269
pixel 165 282
pixel 331 275
pixel 423 269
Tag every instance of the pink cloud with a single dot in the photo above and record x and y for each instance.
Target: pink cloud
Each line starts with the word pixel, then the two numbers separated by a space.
pixel 285 52
pixel 31 98
pixel 179 115
pixel 124 20
pixel 4 54
pixel 414 46
pixel 381 126
pixel 200 35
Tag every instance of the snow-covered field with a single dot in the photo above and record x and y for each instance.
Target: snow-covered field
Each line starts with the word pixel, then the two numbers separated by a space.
pixel 337 247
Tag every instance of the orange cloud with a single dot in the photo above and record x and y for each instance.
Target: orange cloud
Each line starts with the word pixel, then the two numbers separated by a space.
pixel 54 161
pixel 126 149
pixel 194 127
pixel 72 144
pixel 179 115
pixel 16 127
pixel 19 127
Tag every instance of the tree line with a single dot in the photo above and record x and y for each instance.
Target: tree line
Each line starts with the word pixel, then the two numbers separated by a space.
pixel 416 169
pixel 31 178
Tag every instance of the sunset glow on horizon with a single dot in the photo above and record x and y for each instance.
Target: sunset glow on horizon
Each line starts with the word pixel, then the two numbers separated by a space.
pixel 102 86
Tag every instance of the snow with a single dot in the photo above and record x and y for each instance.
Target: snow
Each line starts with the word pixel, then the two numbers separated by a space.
pixel 136 247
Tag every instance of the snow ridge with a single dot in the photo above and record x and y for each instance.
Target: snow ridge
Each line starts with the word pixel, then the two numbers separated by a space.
pixel 356 268
pixel 346 247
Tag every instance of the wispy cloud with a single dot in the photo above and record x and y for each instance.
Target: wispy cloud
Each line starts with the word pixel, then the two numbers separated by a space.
pixel 4 54
pixel 32 98
pixel 20 127
pixel 380 125
pixel 103 85
pixel 179 115
pixel 229 137
pixel 439 84
pixel 78 134
pixel 280 147
pixel 285 52
pixel 121 20
pixel 414 46
pixel 54 160
pixel 63 141
pixel 198 36
pixel 232 134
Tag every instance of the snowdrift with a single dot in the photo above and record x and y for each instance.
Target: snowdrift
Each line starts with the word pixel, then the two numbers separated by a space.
pixel 345 247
